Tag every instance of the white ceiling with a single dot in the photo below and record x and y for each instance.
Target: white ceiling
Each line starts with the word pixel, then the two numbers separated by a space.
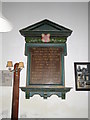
pixel 44 0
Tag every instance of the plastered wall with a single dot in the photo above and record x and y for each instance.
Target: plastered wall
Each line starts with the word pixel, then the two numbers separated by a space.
pixel 70 15
pixel 89 54
pixel 0 65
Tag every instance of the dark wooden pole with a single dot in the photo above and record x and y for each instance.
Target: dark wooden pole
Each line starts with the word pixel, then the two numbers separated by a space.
pixel 15 97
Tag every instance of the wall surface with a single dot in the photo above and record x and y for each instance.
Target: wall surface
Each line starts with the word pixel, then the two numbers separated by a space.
pixel 0 64
pixel 0 74
pixel 0 38
pixel 70 15
pixel 89 54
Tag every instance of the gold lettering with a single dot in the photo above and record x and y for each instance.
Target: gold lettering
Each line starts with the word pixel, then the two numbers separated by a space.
pixel 45 65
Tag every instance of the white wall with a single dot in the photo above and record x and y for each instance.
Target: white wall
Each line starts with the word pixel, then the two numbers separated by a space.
pixel 0 64
pixel 0 74
pixel 70 15
pixel 0 38
pixel 89 54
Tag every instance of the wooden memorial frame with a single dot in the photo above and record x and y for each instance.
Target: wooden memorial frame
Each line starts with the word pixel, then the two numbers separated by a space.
pixel 45 49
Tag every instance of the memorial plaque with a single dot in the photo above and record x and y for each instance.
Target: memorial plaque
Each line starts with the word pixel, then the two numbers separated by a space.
pixel 45 65
pixel 45 49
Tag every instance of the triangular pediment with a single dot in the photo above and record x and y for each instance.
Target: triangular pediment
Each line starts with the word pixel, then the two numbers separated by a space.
pixel 45 26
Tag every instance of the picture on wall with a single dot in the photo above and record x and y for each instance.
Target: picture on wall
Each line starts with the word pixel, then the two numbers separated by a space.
pixel 82 76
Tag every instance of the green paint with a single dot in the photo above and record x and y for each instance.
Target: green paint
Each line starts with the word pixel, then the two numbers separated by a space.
pixel 45 26
pixel 38 40
pixel 28 68
pixel 29 45
pixel 63 95
pixel 62 62
pixel 27 94
pixel 45 92
pixel 33 38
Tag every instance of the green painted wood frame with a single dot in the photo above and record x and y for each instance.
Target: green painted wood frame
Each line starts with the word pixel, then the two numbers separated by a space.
pixel 27 53
pixel 45 92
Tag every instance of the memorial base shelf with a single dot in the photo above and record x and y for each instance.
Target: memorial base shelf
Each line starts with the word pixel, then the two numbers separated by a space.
pixel 45 91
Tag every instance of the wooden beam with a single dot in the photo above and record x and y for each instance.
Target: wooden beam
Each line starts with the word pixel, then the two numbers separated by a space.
pixel 15 97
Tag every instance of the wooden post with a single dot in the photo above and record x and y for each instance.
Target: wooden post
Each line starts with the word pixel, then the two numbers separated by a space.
pixel 15 97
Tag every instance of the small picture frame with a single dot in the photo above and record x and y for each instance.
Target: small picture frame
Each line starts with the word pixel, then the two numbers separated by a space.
pixel 82 76
pixel 5 78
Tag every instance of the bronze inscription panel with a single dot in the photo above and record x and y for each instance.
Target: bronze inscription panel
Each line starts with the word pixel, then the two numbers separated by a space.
pixel 45 65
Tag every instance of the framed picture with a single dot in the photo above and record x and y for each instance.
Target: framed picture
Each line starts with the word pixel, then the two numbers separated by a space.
pixel 82 76
pixel 5 78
